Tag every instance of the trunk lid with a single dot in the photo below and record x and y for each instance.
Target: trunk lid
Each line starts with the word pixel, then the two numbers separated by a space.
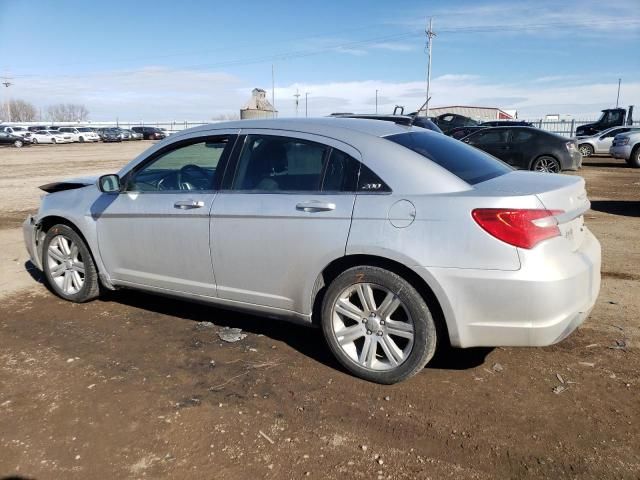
pixel 555 192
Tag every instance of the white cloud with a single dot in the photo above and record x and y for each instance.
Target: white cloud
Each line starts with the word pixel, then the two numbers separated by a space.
pixel 163 94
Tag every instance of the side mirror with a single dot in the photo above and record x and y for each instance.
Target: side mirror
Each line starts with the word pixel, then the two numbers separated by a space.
pixel 109 183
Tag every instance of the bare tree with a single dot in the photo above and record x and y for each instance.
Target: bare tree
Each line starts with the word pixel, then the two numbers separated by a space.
pixel 67 112
pixel 18 111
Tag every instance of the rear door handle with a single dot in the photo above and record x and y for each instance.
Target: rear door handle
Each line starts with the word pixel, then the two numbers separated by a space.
pixel 187 204
pixel 315 206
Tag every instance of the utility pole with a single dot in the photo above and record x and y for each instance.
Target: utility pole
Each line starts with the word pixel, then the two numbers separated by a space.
pixel 376 100
pixel 618 98
pixel 306 104
pixel 7 83
pixel 430 34
pixel 297 95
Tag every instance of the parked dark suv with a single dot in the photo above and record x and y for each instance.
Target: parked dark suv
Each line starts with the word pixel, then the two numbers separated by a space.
pixel 528 148
pixel 150 133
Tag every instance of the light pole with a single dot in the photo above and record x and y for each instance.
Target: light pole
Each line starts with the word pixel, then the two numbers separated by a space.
pixel 306 104
pixel 376 100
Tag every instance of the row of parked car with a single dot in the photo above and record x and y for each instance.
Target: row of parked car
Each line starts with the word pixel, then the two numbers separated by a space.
pixel 19 136
pixel 522 145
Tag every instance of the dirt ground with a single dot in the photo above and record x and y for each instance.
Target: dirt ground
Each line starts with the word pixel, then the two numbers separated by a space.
pixel 138 386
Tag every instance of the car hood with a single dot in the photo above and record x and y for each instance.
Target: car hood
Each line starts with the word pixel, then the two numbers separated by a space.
pixel 69 184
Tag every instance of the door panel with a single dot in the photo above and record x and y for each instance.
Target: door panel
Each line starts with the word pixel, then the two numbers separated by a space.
pixel 267 249
pixel 145 239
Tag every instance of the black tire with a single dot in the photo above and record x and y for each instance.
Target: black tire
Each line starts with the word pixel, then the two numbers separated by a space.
pixel 634 159
pixel 91 286
pixel 424 328
pixel 585 149
pixel 81 139
pixel 54 141
pixel 18 144
pixel 546 163
pixel 34 140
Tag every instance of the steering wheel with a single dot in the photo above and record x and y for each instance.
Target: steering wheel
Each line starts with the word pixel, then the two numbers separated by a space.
pixel 193 177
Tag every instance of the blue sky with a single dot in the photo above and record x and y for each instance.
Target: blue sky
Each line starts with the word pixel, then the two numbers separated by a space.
pixel 197 60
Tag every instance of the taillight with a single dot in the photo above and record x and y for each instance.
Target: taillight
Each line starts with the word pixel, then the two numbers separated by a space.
pixel 523 228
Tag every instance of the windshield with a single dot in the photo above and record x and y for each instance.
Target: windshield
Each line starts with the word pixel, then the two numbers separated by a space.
pixel 466 162
pixel 84 129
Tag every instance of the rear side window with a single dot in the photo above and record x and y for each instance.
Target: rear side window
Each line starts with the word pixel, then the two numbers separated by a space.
pixel 272 163
pixel 466 162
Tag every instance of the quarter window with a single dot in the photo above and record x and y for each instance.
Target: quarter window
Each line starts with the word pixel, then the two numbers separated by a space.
pixel 187 167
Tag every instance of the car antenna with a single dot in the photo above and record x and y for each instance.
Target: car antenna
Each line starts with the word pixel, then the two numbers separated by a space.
pixel 413 117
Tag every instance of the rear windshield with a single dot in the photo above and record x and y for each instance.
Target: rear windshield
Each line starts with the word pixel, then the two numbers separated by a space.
pixel 466 162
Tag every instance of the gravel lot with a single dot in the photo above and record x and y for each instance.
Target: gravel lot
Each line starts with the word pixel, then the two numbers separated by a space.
pixel 134 386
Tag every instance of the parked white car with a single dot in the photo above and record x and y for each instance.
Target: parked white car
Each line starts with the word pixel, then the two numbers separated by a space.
pixel 80 134
pixel 50 136
pixel 14 130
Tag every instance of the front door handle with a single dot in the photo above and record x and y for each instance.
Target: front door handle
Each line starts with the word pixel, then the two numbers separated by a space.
pixel 187 204
pixel 315 206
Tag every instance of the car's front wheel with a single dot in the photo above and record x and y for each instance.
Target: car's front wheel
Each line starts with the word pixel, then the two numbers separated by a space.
pixel 586 150
pixel 68 265
pixel 34 140
pixel 377 325
pixel 18 144
pixel 634 160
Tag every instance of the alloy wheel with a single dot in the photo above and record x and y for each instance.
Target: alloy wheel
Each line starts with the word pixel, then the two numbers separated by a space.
pixel 65 264
pixel 547 164
pixel 372 326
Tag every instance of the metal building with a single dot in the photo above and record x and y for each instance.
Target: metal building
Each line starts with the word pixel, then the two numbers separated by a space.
pixel 258 106
pixel 477 113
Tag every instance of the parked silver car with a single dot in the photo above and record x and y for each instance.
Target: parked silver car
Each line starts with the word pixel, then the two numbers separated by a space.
pixel 392 238
pixel 627 147
pixel 600 143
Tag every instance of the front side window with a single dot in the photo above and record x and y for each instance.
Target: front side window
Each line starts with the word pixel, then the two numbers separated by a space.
pixel 277 164
pixel 188 167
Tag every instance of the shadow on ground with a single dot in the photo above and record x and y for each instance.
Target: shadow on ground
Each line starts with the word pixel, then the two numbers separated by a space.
pixel 627 208
pixel 305 339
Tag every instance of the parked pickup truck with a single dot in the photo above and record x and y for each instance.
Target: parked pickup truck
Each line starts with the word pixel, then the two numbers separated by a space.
pixel 627 146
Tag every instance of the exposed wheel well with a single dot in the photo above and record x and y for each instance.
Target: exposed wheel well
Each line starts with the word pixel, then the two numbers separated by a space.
pixel 341 264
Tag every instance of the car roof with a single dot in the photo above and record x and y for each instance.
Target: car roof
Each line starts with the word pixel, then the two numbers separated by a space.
pixel 337 127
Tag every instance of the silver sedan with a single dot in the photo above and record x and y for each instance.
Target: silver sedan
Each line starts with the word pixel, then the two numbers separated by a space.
pixel 392 238
pixel 600 143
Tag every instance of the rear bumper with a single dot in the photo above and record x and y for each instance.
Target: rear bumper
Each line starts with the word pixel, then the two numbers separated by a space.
pixel 537 305
pixel 622 151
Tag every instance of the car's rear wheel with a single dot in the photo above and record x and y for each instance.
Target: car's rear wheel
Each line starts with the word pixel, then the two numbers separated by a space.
pixel 634 159
pixel 377 325
pixel 68 265
pixel 586 150
pixel 18 144
pixel 34 140
pixel 546 164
